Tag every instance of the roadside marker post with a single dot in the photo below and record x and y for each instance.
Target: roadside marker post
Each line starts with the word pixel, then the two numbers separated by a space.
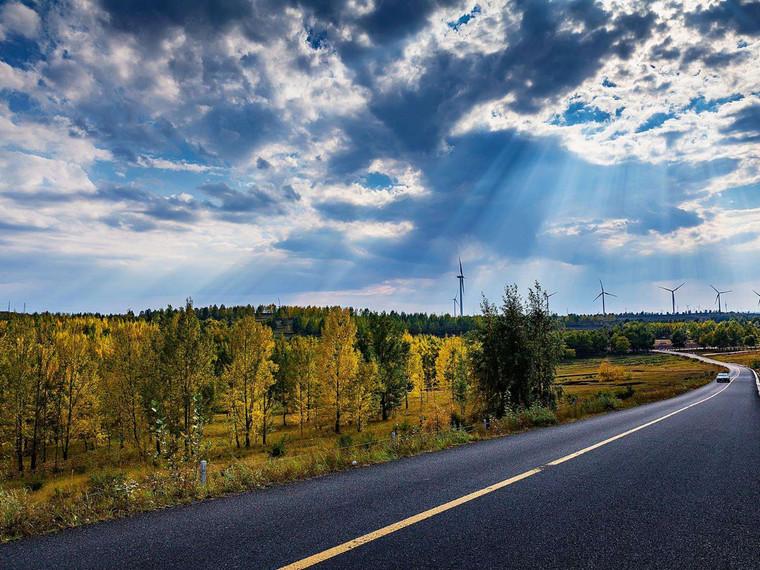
pixel 202 474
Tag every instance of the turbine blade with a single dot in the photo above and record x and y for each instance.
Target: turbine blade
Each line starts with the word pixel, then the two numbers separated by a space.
pixel 756 293
pixel 713 287
pixel 665 288
pixel 460 267
pixel 677 288
pixel 610 294
pixel 599 295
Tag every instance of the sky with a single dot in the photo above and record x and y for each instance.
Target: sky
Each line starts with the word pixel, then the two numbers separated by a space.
pixel 349 152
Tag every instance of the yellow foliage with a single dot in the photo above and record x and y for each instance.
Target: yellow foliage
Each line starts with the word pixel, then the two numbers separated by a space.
pixel 609 372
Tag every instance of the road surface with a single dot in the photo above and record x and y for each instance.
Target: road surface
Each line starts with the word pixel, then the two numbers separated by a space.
pixel 674 484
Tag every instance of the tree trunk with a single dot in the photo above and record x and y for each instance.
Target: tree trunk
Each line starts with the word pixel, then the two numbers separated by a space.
pixel 20 443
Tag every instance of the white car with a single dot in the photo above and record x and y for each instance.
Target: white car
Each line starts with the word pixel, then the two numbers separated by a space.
pixel 723 377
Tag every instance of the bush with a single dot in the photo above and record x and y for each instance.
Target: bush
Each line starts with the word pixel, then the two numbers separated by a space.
pixel 602 401
pixel 609 372
pixel 12 511
pixel 345 440
pixel 457 420
pixel 541 417
pixel 278 448
pixel 33 483
pixel 625 394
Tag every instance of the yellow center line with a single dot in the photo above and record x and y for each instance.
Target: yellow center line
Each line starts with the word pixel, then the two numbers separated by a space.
pixel 386 530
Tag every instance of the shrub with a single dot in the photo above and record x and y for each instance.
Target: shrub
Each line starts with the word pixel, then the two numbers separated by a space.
pixel 602 401
pixel 625 394
pixel 457 420
pixel 541 417
pixel 278 448
pixel 609 372
pixel 34 483
pixel 345 440
pixel 12 511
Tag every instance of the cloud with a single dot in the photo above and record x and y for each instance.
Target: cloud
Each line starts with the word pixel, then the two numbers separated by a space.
pixel 19 19
pixel 356 146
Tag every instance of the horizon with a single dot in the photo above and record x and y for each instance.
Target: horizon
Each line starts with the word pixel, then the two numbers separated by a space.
pixel 349 153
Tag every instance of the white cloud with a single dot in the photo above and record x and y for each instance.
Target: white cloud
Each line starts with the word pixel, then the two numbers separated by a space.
pixel 15 17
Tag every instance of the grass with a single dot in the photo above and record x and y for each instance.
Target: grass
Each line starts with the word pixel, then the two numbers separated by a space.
pixel 749 358
pixel 78 493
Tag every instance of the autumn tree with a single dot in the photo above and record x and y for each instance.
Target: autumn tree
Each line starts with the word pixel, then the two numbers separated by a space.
pixel 17 348
pixel 337 362
pixel 250 376
pixel 303 353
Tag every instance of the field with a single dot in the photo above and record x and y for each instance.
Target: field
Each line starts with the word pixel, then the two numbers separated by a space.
pixel 107 482
pixel 651 377
pixel 749 358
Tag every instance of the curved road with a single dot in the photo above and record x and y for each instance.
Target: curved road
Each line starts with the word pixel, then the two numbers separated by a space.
pixel 674 484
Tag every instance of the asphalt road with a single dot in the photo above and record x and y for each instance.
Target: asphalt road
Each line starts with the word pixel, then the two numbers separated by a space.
pixel 683 492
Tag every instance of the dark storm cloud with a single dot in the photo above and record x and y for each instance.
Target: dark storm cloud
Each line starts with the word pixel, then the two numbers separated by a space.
pixel 716 20
pixel 664 220
pixel 317 244
pixel 544 59
pixel 745 126
pixel 241 206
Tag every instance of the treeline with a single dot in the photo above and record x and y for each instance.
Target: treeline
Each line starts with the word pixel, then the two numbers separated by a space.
pixel 637 336
pixel 310 320
pixel 151 384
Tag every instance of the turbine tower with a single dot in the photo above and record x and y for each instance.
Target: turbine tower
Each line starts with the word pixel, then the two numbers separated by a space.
pixel 546 296
pixel 719 293
pixel 461 288
pixel 673 295
pixel 603 294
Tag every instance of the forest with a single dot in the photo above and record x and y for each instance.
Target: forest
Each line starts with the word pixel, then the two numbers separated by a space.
pixel 150 383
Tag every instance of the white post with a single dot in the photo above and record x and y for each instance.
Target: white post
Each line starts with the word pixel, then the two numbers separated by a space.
pixel 203 472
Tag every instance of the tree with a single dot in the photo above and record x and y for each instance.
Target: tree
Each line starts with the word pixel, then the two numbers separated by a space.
pixel 17 349
pixel 515 354
pixel 363 398
pixel 620 344
pixel 640 335
pixel 338 362
pixel 383 340
pixel 76 373
pixel 679 337
pixel 502 362
pixel 125 372
pixel 415 372
pixel 250 375
pixel 184 357
pixel 303 360
pixel 544 346
pixel 452 371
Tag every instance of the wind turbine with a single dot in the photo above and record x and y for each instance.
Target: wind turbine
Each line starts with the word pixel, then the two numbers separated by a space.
pixel 455 305
pixel 717 298
pixel 461 288
pixel 758 294
pixel 603 294
pixel 673 294
pixel 546 296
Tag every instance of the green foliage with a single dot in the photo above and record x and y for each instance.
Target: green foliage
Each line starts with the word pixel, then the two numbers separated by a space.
pixel 620 344
pixel 278 448
pixel 381 338
pixel 629 392
pixel 516 352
